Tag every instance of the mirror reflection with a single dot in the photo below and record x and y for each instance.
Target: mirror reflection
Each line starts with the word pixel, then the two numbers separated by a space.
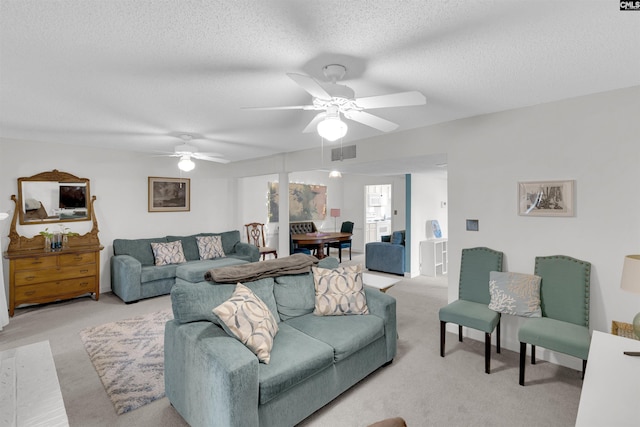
pixel 53 197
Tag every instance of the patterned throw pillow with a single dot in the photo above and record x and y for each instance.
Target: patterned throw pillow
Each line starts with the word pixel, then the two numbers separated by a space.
pixel 515 293
pixel 339 292
pixel 247 317
pixel 168 253
pixel 210 247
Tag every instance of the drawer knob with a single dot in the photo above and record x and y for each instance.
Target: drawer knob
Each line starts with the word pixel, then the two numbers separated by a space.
pixel 84 271
pixel 84 284
pixel 78 258
pixel 30 277
pixel 29 293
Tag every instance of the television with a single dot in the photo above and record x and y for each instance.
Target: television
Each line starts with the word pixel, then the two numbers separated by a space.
pixel 73 196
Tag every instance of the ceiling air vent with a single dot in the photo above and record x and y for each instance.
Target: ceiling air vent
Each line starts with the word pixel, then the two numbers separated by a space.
pixel 343 153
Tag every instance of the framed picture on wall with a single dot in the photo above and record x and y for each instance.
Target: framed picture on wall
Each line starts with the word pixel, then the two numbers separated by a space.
pixel 169 194
pixel 546 198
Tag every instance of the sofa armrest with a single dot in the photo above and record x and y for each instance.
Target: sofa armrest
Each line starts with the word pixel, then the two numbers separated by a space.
pixel 126 277
pixel 247 250
pixel 385 257
pixel 382 305
pixel 210 378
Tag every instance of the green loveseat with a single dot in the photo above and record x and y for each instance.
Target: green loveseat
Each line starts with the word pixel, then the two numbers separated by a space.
pixel 212 379
pixel 134 275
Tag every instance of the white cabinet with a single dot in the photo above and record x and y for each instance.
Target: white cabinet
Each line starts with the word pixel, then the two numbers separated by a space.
pixel 433 257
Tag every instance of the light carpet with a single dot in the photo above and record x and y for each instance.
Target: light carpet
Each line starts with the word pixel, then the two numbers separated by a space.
pixel 129 358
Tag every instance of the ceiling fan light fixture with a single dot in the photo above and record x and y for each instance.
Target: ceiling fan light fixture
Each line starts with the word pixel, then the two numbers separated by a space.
pixel 186 164
pixel 332 128
pixel 335 174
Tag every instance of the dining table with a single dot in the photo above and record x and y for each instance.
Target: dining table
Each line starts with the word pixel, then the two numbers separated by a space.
pixel 319 239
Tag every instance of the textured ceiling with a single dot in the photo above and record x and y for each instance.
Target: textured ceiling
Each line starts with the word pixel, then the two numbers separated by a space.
pixel 134 75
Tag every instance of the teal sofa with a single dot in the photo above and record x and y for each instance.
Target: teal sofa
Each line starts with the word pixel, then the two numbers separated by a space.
pixel 134 275
pixel 212 379
pixel 388 255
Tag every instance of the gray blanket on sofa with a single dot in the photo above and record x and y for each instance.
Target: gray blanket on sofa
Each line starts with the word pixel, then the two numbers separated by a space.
pixel 294 264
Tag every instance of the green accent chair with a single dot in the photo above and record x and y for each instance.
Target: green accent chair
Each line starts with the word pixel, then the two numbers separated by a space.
pixel 564 300
pixel 471 309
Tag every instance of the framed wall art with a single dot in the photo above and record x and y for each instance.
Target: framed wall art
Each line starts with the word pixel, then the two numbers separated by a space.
pixel 306 202
pixel 546 198
pixel 169 194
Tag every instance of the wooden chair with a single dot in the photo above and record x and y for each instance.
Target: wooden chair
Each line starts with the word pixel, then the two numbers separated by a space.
pixel 472 307
pixel 346 227
pixel 255 236
pixel 564 300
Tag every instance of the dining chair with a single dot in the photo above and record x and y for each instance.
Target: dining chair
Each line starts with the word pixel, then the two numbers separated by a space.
pixel 255 236
pixel 346 227
pixel 564 301
pixel 295 249
pixel 472 307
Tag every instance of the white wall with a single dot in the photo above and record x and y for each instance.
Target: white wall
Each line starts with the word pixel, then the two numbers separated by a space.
pixel 592 140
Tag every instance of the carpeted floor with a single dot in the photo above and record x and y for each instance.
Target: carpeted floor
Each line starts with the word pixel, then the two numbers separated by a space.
pixel 420 386
pixel 129 358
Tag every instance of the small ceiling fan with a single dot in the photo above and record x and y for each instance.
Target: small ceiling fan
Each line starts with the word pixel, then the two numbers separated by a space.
pixel 333 99
pixel 186 152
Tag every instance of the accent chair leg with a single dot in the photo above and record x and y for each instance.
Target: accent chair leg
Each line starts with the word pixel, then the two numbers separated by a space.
pixel 442 334
pixel 340 254
pixel 487 352
pixel 533 354
pixel 498 337
pixel 460 333
pixel 349 252
pixel 584 368
pixel 523 356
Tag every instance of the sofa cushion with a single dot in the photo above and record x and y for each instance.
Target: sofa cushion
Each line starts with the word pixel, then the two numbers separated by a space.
pixel 295 357
pixel 516 294
pixel 295 293
pixel 140 249
pixel 345 334
pixel 339 292
pixel 246 317
pixel 210 247
pixel 194 271
pixel 149 273
pixel 168 253
pixel 193 302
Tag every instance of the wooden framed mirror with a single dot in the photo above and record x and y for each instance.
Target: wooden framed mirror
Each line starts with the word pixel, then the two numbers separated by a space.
pixel 51 197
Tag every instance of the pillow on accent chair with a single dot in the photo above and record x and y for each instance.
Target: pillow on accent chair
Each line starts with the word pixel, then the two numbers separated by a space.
pixel 247 317
pixel 515 293
pixel 210 247
pixel 168 253
pixel 339 291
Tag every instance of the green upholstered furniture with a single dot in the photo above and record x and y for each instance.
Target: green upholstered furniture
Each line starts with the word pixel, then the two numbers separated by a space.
pixel 388 255
pixel 134 275
pixel 564 325
pixel 471 309
pixel 212 379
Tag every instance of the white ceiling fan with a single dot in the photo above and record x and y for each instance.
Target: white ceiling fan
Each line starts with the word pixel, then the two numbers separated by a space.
pixel 334 99
pixel 186 152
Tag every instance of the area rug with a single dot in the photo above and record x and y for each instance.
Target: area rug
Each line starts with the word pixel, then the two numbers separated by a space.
pixel 129 358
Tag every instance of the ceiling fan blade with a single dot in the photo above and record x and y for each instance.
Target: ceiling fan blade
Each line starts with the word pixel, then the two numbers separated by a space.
pixel 201 156
pixel 310 85
pixel 287 107
pixel 371 120
pixel 313 124
pixel 400 99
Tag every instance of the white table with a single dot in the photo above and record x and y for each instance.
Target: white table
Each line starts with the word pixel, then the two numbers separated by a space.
pixel 611 388
pixel 379 282
pixel 29 388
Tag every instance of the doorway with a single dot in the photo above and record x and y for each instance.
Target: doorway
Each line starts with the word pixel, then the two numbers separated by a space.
pixel 377 212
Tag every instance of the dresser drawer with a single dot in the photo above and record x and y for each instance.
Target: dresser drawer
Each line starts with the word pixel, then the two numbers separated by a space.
pixel 23 278
pixel 35 262
pixel 76 259
pixel 52 290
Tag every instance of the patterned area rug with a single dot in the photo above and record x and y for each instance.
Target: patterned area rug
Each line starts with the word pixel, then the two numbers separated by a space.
pixel 129 358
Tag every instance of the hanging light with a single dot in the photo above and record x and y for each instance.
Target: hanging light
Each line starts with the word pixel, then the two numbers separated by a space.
pixel 186 164
pixel 332 128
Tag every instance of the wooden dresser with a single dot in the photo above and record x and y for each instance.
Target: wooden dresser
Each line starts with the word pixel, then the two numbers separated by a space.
pixel 39 276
